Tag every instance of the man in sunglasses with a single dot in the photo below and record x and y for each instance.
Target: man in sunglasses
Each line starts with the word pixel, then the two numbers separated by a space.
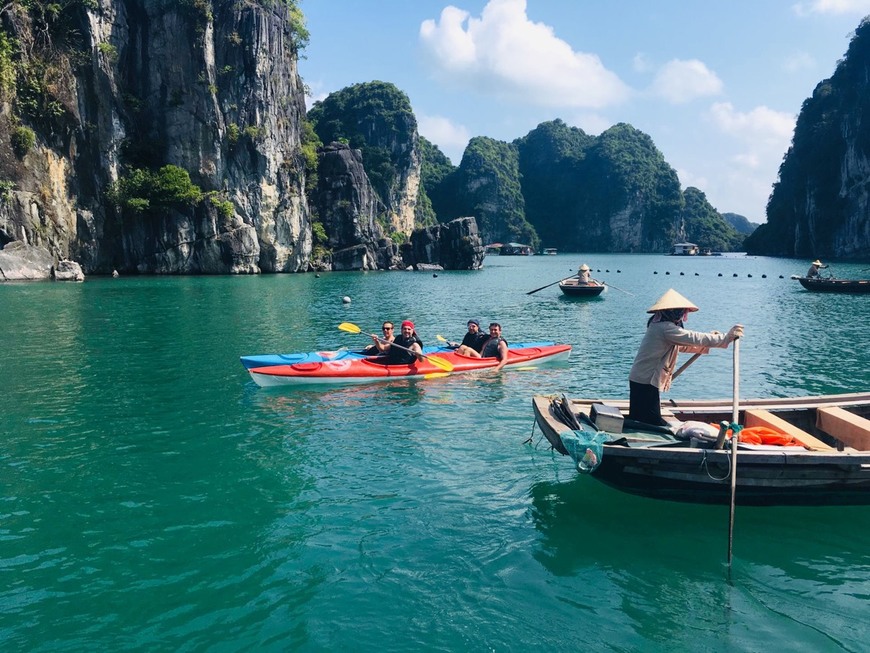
pixel 382 344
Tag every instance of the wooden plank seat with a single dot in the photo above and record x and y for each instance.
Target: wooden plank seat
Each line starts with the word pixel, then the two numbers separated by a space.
pixel 850 429
pixel 759 417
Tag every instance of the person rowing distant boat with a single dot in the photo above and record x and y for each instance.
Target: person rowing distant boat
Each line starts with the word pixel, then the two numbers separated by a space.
pixel 813 272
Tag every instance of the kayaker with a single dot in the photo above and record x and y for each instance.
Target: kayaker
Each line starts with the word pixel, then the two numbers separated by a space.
pixel 493 347
pixel 656 358
pixel 408 339
pixel 813 272
pixel 379 344
pixel 474 339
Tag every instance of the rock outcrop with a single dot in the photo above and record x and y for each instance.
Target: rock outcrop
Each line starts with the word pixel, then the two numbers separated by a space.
pixel 22 262
pixel 455 245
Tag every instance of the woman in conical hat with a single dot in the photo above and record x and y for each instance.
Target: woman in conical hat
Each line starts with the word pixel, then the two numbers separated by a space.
pixel 583 274
pixel 656 358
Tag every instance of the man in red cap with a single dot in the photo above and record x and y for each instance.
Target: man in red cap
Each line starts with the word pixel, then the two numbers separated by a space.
pixel 410 347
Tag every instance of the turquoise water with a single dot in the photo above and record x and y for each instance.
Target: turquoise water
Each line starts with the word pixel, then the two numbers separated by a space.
pixel 153 498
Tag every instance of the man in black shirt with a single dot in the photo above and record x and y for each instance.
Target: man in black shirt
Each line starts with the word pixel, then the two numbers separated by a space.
pixel 408 340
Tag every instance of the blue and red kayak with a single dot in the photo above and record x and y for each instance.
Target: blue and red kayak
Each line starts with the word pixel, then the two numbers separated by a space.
pixel 351 369
pixel 267 360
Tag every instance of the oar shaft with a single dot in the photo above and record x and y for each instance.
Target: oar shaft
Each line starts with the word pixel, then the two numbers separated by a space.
pixel 734 438
pixel 617 288
pixel 685 365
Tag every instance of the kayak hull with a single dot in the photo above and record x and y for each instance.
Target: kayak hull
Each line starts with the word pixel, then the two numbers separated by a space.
pixel 366 370
pixel 266 360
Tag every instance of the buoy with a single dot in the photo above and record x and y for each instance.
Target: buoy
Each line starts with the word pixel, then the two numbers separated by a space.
pixel 764 276
pixel 655 272
pixel 697 275
pixel 682 274
pixel 735 274
pixel 317 276
pixel 781 277
pixel 345 299
pixel 434 275
pixel 618 271
pixel 720 274
pixel 667 272
pixel 749 275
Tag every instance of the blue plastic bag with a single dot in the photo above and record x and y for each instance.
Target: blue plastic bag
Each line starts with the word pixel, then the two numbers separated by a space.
pixel 585 447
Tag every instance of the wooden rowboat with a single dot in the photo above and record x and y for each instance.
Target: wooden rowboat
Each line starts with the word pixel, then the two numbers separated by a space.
pixel 825 284
pixel 832 467
pixel 574 288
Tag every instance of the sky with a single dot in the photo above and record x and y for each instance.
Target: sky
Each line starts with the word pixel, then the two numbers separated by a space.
pixel 716 85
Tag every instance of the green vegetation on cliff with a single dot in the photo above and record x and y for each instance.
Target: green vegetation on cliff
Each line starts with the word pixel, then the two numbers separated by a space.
pixel 375 118
pixel 705 226
pixel 487 186
pixel 818 206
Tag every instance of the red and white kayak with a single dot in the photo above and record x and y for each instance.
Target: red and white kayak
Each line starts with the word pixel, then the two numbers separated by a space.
pixel 366 370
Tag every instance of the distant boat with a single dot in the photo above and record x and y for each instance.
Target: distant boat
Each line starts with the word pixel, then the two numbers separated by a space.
pixel 684 249
pixel 550 251
pixel 829 284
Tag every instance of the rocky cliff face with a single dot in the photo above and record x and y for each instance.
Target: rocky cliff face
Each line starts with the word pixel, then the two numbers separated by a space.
pixel 820 206
pixel 210 87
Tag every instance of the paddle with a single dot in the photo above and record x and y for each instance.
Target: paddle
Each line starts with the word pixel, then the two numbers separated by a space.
pixel 532 292
pixel 440 363
pixel 685 365
pixel 734 438
pixel 441 338
pixel 610 285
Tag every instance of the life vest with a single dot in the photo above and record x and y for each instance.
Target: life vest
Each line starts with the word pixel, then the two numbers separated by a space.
pixel 767 435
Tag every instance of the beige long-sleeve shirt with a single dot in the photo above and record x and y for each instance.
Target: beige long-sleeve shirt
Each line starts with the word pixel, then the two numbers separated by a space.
pixel 657 355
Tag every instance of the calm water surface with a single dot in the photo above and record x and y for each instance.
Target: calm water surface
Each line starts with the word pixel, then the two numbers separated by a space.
pixel 153 498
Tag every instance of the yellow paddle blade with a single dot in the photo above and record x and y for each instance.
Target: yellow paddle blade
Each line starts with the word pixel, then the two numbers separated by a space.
pixel 441 338
pixel 435 375
pixel 350 328
pixel 447 366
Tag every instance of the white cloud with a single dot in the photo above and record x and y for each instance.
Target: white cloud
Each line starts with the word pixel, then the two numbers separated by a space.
pixel 680 81
pixel 504 54
pixel 762 128
pixel 860 7
pixel 448 136
pixel 688 178
pixel 641 63
pixel 799 61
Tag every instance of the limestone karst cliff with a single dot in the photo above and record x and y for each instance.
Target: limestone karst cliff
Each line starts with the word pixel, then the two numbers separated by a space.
pixel 820 206
pixel 130 95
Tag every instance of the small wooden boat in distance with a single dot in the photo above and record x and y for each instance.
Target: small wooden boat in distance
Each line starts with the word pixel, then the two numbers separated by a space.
pixel 573 287
pixel 830 284
pixel 828 462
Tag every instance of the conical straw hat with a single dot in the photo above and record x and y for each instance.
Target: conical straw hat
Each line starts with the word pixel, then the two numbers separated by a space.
pixel 816 262
pixel 672 299
pixel 584 267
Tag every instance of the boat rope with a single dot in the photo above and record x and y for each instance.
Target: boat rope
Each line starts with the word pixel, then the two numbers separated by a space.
pixel 735 430
pixel 707 469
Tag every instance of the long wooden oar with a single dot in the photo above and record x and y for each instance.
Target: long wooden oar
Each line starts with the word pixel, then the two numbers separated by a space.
pixel 734 438
pixel 617 288
pixel 447 366
pixel 532 292
pixel 685 365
